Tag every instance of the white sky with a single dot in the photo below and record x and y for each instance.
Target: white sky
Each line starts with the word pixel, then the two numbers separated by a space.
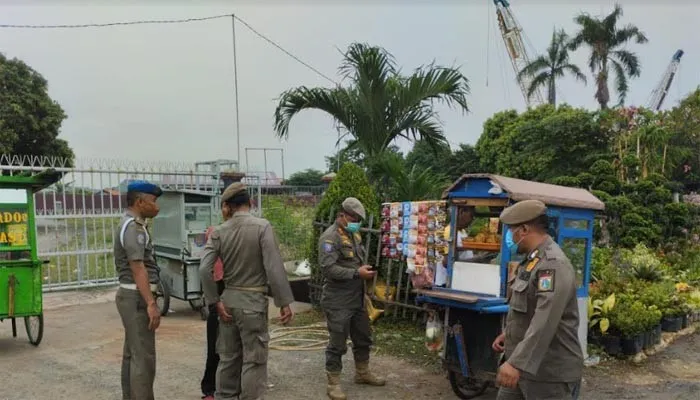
pixel 165 92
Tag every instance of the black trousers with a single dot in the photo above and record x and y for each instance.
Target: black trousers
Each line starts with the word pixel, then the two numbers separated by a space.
pixel 209 379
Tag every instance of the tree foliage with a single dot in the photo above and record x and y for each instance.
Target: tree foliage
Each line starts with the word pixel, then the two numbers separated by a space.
pixel 542 143
pixel 547 68
pixel 607 45
pixel 350 181
pixel 379 105
pixel 307 177
pixel 30 120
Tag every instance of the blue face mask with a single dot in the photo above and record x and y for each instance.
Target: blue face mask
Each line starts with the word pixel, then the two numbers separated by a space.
pixel 509 240
pixel 353 227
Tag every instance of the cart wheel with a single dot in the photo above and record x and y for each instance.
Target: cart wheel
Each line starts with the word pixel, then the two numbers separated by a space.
pixel 163 298
pixel 204 311
pixel 35 328
pixel 196 304
pixel 467 388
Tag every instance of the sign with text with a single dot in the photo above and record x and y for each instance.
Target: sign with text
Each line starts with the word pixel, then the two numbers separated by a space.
pixel 14 225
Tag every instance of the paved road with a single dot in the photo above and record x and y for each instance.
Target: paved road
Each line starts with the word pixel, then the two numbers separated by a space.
pixel 80 357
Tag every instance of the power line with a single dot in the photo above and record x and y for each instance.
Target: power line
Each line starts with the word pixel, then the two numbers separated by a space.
pixel 175 21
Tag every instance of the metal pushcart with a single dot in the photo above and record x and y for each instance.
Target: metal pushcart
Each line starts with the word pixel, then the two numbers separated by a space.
pixel 179 239
pixel 20 267
pixel 473 299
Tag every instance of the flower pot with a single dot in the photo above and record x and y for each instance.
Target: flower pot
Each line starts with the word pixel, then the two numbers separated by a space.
pixel 685 321
pixel 656 335
pixel 611 344
pixel 633 344
pixel 648 340
pixel 594 338
pixel 672 324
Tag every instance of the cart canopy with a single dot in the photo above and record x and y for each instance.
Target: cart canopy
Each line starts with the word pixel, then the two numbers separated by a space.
pixel 519 189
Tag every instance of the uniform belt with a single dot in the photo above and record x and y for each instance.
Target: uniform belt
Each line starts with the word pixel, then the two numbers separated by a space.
pixel 256 289
pixel 132 286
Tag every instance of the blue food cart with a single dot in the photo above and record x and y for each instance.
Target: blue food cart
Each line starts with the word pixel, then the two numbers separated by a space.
pixel 472 298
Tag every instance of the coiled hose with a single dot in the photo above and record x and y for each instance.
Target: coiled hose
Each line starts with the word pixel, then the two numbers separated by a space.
pixel 299 338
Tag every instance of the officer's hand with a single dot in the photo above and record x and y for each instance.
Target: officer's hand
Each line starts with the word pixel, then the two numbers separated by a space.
pixel 153 316
pixel 497 345
pixel 223 312
pixel 366 272
pixel 508 376
pixel 286 315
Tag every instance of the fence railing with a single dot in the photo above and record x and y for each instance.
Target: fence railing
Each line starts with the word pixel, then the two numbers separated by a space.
pixel 391 287
pixel 76 218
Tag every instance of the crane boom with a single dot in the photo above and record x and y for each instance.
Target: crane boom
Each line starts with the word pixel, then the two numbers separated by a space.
pixel 658 95
pixel 512 37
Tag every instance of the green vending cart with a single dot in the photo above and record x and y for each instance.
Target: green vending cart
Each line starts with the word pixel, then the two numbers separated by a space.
pixel 20 267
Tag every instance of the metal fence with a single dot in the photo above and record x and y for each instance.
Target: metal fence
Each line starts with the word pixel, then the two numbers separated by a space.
pixel 76 218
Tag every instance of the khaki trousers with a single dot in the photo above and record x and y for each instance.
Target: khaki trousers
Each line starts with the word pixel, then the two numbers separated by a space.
pixel 139 357
pixel 242 345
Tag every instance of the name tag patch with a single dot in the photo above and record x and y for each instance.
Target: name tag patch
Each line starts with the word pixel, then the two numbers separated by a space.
pixel 545 281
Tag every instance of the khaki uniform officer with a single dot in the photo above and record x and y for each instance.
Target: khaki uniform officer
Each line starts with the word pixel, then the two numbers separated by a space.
pixel 543 357
pixel 340 257
pixel 252 264
pixel 138 280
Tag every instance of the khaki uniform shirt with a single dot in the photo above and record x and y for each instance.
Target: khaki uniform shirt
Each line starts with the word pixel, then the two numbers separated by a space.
pixel 132 242
pixel 542 322
pixel 340 255
pixel 251 256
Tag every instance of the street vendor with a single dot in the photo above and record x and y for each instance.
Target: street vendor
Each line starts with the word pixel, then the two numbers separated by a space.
pixel 542 354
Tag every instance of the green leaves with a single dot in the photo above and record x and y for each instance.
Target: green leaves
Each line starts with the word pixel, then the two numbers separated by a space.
pixel 599 312
pixel 378 105
pixel 30 120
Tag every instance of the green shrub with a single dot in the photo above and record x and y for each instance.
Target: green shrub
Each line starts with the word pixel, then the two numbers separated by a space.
pixel 351 181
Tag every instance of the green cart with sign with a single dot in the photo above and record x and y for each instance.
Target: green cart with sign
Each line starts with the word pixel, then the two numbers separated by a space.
pixel 20 267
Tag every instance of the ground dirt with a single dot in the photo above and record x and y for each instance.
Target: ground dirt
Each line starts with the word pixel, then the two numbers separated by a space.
pixel 80 357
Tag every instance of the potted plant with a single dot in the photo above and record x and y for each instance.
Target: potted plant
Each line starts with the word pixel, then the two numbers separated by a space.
pixel 599 311
pixel 629 319
pixel 653 327
pixel 673 315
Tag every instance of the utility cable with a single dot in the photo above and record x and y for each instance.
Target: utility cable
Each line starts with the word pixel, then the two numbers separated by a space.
pixel 173 21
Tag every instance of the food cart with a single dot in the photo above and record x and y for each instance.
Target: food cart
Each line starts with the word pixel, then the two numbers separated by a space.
pixel 179 232
pixel 20 268
pixel 472 300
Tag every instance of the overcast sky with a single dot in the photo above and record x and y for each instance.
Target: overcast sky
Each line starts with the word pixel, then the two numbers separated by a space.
pixel 166 92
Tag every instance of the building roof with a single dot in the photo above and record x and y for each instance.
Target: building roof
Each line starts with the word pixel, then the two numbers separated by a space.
pixel 555 195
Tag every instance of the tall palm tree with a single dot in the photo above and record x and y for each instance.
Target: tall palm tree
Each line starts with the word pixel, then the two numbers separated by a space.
pixel 606 42
pixel 547 68
pixel 379 105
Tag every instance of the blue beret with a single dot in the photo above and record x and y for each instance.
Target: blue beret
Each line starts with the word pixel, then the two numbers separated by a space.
pixel 144 187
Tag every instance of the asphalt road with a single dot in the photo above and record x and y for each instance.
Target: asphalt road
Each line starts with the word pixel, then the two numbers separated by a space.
pixel 80 356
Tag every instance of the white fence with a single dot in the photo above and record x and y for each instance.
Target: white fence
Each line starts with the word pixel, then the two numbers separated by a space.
pixel 76 218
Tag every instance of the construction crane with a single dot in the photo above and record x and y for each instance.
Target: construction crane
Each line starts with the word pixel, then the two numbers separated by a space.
pixel 659 94
pixel 512 37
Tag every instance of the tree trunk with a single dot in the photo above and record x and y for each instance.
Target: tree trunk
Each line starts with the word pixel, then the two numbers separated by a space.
pixel 602 93
pixel 663 160
pixel 552 91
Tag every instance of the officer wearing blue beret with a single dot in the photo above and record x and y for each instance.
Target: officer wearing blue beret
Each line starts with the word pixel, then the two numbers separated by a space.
pixel 138 280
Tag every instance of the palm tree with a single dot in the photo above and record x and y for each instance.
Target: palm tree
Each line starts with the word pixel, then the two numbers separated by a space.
pixel 546 68
pixel 606 42
pixel 379 105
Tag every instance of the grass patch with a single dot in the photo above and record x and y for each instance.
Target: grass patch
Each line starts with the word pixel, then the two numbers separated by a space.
pixel 292 221
pixel 401 339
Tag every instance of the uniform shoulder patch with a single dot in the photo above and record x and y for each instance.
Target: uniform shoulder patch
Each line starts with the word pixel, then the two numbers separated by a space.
pixel 328 246
pixel 545 280
pixel 531 264
pixel 141 238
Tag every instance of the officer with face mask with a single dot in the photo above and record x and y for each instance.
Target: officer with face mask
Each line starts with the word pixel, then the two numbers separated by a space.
pixel 341 260
pixel 542 353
